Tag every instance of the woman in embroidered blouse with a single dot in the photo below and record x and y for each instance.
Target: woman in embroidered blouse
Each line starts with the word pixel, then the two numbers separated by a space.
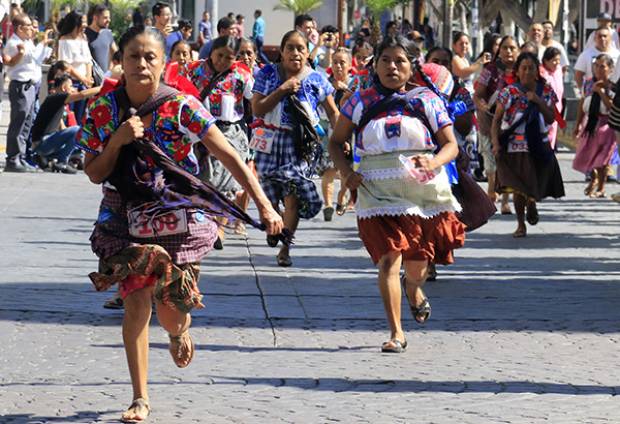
pixel 401 221
pixel 284 174
pixel 596 139
pixel 73 49
pixel 494 77
pixel 223 84
pixel 526 164
pixel 160 266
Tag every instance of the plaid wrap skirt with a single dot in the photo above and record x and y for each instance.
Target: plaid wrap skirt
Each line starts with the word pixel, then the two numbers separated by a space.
pixel 282 173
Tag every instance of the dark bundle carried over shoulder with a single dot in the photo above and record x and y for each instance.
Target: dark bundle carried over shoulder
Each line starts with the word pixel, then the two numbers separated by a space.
pixel 171 187
pixel 307 140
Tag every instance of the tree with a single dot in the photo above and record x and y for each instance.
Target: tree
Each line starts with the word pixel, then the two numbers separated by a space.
pixel 298 7
pixel 376 8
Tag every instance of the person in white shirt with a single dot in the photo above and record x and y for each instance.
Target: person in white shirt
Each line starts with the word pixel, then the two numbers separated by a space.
pixel 604 20
pixel 23 61
pixel 548 41
pixel 73 48
pixel 603 44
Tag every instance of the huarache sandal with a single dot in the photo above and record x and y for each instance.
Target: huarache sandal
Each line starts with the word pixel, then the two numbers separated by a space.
pixel 394 346
pixel 114 303
pixel 284 260
pixel 432 272
pixel 272 241
pixel 422 312
pixel 531 215
pixel 180 357
pixel 136 405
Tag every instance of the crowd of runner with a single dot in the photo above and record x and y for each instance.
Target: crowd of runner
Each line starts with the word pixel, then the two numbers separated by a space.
pixel 182 135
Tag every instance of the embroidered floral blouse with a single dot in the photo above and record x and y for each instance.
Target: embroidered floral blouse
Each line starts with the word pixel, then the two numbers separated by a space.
pixel 396 130
pixel 514 101
pixel 176 126
pixel 225 101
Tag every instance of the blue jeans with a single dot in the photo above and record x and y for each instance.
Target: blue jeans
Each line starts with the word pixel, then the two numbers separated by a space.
pixel 58 145
pixel 259 46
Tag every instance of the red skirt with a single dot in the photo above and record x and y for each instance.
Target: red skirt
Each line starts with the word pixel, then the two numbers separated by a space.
pixel 417 238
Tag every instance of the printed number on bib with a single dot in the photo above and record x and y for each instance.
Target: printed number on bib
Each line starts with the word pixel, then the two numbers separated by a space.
pixel 262 140
pixel 174 222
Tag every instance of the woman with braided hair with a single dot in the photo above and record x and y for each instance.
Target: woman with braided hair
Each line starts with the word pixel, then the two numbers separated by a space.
pixel 156 220
pixel 597 140
pixel 405 209
pixel 526 164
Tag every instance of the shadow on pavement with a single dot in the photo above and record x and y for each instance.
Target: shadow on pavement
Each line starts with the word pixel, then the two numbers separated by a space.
pixel 78 417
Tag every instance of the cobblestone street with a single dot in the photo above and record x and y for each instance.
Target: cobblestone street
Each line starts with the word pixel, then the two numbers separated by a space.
pixel 523 330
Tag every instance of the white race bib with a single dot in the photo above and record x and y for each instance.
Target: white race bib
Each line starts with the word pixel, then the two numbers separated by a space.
pixel 174 222
pixel 262 140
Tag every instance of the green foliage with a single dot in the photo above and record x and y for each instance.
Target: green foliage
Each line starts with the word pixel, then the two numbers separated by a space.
pixel 120 13
pixel 377 7
pixel 298 7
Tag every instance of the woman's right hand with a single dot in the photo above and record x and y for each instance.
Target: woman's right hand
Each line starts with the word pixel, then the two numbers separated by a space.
pixel 129 130
pixel 291 85
pixel 272 220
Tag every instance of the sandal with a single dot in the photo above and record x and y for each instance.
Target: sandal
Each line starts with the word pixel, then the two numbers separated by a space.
pixel 432 272
pixel 505 209
pixel 340 209
pixel 284 260
pixel 272 241
pixel 519 233
pixel 328 213
pixel 598 195
pixel 178 355
pixel 137 404
pixel 115 303
pixel 531 215
pixel 397 346
pixel 420 313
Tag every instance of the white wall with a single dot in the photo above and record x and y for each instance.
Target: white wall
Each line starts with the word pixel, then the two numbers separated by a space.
pixel 277 22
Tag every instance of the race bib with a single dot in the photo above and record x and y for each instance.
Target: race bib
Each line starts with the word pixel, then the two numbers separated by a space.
pixel 174 222
pixel 262 140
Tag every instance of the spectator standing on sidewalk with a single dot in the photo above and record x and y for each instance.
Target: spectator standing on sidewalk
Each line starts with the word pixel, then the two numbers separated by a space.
pixel 604 20
pixel 224 27
pixel 205 34
pixel 184 33
pixel 162 16
pixel 548 41
pixel 100 38
pixel 258 34
pixel 73 48
pixel 240 20
pixel 602 44
pixel 23 61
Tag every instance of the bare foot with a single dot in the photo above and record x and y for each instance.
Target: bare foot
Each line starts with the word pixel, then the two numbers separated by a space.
pixel 137 411
pixel 181 349
pixel 521 231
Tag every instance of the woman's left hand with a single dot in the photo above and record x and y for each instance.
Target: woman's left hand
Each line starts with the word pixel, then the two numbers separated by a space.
pixel 424 163
pixel 272 220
